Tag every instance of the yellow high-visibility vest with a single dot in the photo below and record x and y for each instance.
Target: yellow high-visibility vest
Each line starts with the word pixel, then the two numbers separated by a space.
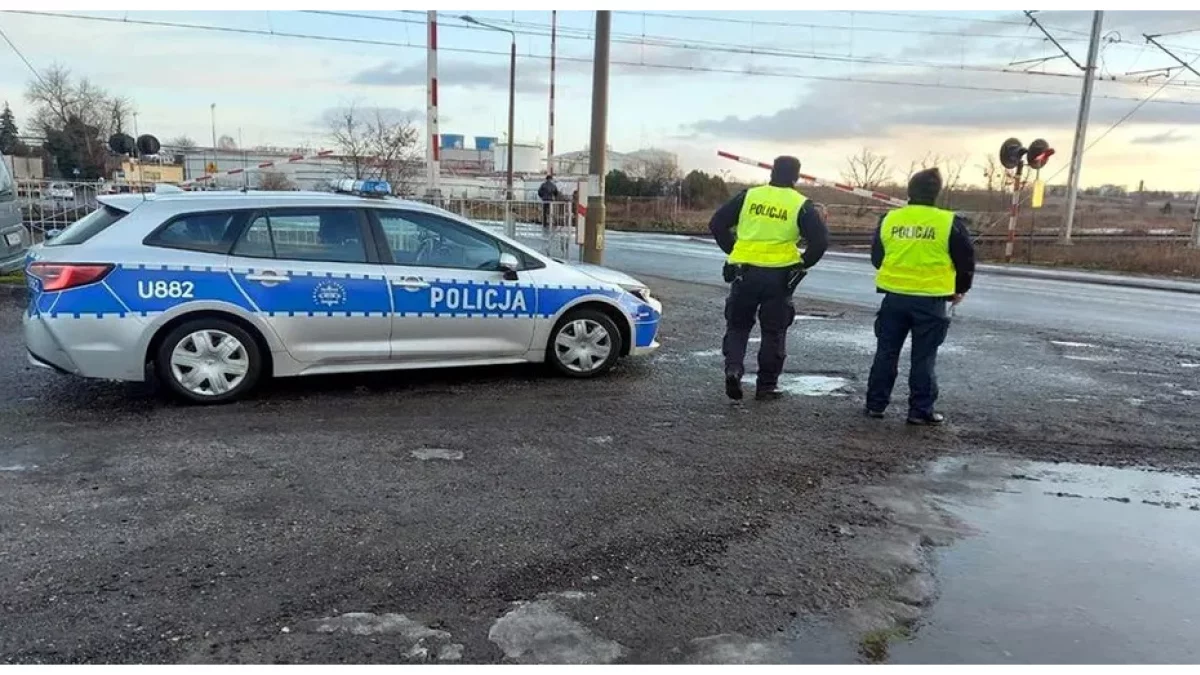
pixel 916 252
pixel 768 234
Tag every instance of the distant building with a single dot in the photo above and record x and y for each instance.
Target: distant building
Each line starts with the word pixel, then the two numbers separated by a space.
pixel 25 168
pixel 576 162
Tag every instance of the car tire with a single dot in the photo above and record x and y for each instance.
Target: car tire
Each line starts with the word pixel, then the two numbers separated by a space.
pixel 584 343
pixel 209 361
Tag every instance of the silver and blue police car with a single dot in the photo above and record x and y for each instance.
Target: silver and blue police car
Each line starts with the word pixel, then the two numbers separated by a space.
pixel 209 292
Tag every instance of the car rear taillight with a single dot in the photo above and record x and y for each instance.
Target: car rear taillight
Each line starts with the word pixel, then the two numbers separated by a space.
pixel 61 276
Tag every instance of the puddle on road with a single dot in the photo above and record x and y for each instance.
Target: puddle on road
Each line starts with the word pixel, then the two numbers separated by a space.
pixel 808 385
pixel 23 459
pixel 1077 345
pixel 426 454
pixel 1056 563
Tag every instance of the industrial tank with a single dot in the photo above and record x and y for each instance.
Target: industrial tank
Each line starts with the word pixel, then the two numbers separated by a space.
pixel 527 158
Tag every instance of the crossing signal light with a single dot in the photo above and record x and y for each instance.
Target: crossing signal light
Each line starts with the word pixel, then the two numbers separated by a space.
pixel 1012 152
pixel 1039 152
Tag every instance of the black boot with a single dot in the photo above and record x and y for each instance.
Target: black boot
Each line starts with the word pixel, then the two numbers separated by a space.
pixel 733 386
pixel 771 393
pixel 930 420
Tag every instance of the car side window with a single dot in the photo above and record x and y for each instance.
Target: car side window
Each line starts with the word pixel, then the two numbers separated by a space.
pixel 427 240
pixel 317 235
pixel 256 240
pixel 211 232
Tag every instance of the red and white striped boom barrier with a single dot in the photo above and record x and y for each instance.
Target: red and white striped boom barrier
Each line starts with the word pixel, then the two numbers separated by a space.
pixel 292 159
pixel 841 187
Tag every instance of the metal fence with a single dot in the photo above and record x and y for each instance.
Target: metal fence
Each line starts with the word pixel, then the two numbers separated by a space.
pixel 550 228
pixel 53 205
pixel 546 226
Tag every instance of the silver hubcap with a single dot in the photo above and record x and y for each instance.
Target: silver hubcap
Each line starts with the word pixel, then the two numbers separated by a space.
pixel 209 362
pixel 582 345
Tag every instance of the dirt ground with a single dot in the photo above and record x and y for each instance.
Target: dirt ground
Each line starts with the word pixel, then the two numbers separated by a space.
pixel 461 515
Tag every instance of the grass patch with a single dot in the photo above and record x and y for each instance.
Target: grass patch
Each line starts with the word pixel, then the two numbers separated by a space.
pixel 873 646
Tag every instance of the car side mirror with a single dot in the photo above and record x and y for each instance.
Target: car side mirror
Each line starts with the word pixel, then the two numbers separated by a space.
pixel 509 265
pixel 50 234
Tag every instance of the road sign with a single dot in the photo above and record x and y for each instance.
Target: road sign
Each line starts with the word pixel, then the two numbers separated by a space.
pixel 1039 193
pixel 211 167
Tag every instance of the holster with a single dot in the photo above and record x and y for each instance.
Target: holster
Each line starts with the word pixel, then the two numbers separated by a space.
pixel 795 276
pixel 731 272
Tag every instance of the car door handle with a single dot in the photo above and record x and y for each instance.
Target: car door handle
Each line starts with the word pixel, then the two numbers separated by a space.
pixel 410 282
pixel 268 278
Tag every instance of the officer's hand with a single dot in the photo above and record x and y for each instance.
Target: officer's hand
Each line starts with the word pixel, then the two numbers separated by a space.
pixel 958 297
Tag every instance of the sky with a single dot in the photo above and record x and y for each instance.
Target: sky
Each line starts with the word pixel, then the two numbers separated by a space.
pixel 817 85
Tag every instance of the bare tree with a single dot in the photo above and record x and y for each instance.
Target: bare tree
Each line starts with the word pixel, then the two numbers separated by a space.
pixel 226 143
pixel 180 143
pixel 274 181
pixel 952 178
pixel 866 170
pixel 61 100
pixel 393 149
pixel 993 173
pixel 348 132
pixel 374 145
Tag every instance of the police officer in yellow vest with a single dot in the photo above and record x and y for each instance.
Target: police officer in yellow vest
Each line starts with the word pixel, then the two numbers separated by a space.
pixel 925 260
pixel 761 230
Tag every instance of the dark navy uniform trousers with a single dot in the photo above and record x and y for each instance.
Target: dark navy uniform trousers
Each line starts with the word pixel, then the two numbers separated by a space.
pixel 767 293
pixel 926 320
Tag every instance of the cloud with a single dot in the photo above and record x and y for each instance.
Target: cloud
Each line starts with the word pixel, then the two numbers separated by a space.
pixel 451 73
pixel 389 115
pixel 1160 139
pixel 844 109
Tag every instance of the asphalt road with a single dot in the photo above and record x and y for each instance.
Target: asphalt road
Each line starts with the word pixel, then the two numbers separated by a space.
pixel 504 515
pixel 1084 309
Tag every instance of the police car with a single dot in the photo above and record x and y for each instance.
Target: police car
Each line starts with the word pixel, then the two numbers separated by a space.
pixel 211 291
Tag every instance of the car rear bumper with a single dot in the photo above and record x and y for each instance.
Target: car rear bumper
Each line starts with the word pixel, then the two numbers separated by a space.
pixel 12 256
pixel 88 347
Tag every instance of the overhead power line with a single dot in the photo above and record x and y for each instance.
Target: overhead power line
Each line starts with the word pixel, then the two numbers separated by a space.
pixel 824 26
pixel 537 30
pixel 632 64
pixel 22 57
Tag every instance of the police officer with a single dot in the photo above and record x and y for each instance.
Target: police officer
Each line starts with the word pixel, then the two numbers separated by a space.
pixel 764 267
pixel 925 260
pixel 547 192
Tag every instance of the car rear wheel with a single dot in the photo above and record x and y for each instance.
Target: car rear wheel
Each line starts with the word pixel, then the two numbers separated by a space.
pixel 585 343
pixel 209 361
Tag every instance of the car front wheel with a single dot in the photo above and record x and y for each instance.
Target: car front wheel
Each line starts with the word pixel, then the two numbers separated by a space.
pixel 585 343
pixel 209 361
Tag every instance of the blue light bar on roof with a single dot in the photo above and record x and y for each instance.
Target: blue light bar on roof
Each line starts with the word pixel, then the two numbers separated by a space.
pixel 365 188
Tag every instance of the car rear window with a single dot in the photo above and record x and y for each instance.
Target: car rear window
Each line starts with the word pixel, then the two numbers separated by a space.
pixel 211 232
pixel 87 227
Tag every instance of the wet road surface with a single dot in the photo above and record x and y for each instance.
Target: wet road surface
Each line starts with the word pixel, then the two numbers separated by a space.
pixel 503 515
pixel 1086 309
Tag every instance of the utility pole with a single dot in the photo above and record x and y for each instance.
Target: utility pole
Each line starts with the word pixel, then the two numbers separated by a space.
pixel 593 237
pixel 1195 239
pixel 1196 223
pixel 212 110
pixel 512 101
pixel 433 170
pixel 553 45
pixel 1085 105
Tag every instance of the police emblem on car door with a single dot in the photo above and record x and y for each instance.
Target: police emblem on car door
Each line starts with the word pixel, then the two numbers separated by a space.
pixel 312 275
